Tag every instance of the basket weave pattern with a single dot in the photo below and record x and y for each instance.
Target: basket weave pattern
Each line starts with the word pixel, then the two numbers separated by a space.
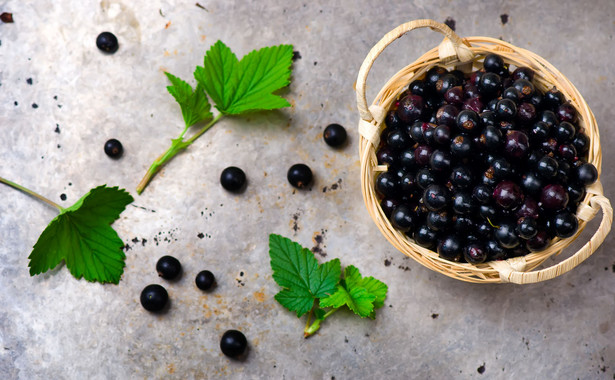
pixel 466 55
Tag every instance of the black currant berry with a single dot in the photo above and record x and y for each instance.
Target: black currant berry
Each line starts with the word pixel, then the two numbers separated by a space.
pixel 107 42
pixel 205 280
pixel 335 135
pixel 404 218
pixel 233 343
pixel 451 248
pixel 114 148
pixel 299 175
pixel 154 297
pixel 435 197
pixel 168 267
pixel 475 253
pixel 233 179
pixel 586 174
pixel 425 236
pixel 565 224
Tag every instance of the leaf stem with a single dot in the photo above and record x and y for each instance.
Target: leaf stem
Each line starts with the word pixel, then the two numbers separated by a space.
pixel 205 128
pixel 177 145
pixel 311 329
pixel 31 193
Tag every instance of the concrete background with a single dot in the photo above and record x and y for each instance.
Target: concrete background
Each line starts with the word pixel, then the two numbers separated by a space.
pixel 432 327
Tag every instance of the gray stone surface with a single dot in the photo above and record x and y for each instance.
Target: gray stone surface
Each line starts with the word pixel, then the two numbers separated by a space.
pixel 432 327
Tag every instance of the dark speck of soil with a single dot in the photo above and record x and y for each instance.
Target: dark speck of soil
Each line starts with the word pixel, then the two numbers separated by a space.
pixel 481 369
pixel 63 196
pixel 315 63
pixel 296 55
pixel 57 130
pixel 294 223
pixel 16 104
pixel 6 17
pixel 319 247
pixel 200 235
pixel 34 105
pixel 29 81
pixel 435 316
pixel 387 262
pixel 450 22
pixel 504 18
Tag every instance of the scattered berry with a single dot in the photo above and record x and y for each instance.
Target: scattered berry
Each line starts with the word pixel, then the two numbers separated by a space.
pixel 168 267
pixel 114 148
pixel 335 135
pixel 107 42
pixel 154 297
pixel 233 343
pixel 233 179
pixel 205 280
pixel 299 175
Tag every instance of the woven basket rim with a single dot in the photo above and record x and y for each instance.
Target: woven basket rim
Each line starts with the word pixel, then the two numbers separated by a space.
pixel 546 76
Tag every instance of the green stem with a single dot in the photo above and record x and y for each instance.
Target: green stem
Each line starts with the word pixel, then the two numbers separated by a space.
pixel 32 193
pixel 311 329
pixel 177 145
pixel 205 128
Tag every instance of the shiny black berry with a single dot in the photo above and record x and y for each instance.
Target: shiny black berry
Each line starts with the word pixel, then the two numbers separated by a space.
pixel 586 174
pixel 565 224
pixel 107 42
pixel 410 108
pixel 233 179
pixel 114 148
pixel 505 235
pixel 475 253
pixel 450 248
pixel 334 135
pixel 233 343
pixel 527 228
pixel 435 197
pixel 300 176
pixel 404 218
pixel 154 297
pixel 425 236
pixel 204 280
pixel 168 267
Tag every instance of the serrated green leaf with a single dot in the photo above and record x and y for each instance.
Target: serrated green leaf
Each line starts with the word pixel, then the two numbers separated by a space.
pixel 218 75
pixel 247 85
pixel 361 295
pixel 296 299
pixel 193 103
pixel 296 269
pixel 82 236
pixel 352 278
pixel 358 299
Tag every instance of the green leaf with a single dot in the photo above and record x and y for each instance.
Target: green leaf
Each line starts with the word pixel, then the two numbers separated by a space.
pixel 82 236
pixel 297 271
pixel 372 285
pixel 361 295
pixel 247 85
pixel 358 299
pixel 193 103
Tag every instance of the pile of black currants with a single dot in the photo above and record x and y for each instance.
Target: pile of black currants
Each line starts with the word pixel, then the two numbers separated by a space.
pixel 483 166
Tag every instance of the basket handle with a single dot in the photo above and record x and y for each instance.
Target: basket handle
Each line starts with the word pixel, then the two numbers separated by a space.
pixel 460 49
pixel 510 270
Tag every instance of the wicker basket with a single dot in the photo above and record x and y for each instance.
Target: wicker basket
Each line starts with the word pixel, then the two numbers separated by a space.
pixel 465 54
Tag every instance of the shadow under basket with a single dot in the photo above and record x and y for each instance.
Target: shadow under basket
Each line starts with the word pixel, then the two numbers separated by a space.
pixel 466 55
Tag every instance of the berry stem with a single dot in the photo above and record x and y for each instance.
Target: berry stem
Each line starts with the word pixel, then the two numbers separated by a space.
pixel 177 145
pixel 31 193
pixel 311 329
